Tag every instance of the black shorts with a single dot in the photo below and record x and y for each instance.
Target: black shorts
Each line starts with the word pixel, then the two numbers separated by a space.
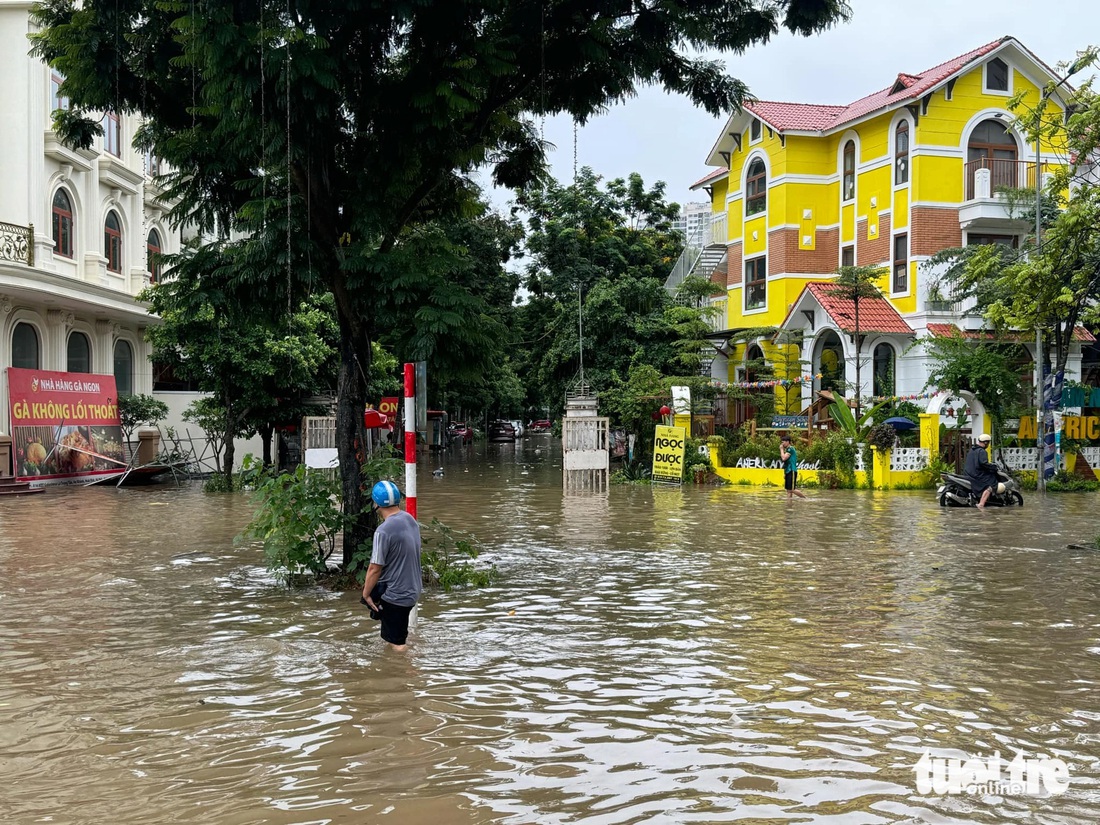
pixel 788 480
pixel 395 623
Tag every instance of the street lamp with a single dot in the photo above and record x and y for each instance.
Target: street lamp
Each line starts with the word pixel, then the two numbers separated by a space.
pixel 1041 429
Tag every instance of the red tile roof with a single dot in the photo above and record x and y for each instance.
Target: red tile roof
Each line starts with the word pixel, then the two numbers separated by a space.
pixel 816 118
pixel 950 330
pixel 875 314
pixel 710 176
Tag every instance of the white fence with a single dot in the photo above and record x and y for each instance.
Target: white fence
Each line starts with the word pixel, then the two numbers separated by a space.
pixel 1019 458
pixel 908 459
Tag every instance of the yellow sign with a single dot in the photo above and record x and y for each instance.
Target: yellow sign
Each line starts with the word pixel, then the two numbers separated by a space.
pixel 1073 426
pixel 668 453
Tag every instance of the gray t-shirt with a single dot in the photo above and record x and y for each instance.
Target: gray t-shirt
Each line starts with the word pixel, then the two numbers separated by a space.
pixel 397 549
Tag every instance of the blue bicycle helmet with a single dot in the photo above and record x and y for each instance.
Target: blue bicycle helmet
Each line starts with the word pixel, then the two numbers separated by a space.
pixel 385 494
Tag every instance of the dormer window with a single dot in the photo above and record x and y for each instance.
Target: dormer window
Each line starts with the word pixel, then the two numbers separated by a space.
pixel 996 75
pixel 754 130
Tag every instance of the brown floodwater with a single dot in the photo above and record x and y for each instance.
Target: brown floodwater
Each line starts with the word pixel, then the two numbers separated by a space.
pixel 655 655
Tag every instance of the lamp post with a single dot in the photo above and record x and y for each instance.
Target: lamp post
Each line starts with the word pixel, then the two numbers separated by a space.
pixel 1041 412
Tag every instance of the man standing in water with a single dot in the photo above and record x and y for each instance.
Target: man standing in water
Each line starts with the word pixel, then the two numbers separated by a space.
pixel 789 456
pixel 394 566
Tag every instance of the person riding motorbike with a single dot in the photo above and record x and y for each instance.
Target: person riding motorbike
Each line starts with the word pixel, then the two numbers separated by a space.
pixel 981 472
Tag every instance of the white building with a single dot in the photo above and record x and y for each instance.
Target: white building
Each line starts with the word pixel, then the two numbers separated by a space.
pixel 77 233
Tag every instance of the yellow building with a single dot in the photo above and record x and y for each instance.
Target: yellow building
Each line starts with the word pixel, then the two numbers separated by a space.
pixel 889 180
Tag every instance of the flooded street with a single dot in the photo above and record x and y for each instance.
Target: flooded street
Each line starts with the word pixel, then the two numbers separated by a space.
pixel 657 655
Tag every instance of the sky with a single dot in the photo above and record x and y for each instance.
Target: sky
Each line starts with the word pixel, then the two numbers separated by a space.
pixel 664 137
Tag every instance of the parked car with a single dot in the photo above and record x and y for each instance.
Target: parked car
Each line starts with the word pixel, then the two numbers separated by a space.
pixel 502 431
pixel 543 426
pixel 459 429
pixel 518 426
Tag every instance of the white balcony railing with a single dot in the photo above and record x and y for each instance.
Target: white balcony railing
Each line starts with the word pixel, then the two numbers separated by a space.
pixel 719 231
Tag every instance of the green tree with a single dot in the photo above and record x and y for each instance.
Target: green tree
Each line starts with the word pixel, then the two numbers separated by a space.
pixel 857 284
pixel 987 369
pixel 137 410
pixel 232 348
pixel 601 253
pixel 338 131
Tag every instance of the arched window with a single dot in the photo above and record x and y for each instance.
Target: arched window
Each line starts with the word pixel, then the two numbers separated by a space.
pixel 152 250
pixel 62 224
pixel 124 368
pixel 848 179
pixel 901 153
pixel 756 188
pixel 754 362
pixel 991 146
pixel 830 362
pixel 80 353
pixel 884 370
pixel 24 347
pixel 112 242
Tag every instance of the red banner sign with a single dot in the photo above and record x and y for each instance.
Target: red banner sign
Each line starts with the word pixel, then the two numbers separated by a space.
pixel 64 424
pixel 388 406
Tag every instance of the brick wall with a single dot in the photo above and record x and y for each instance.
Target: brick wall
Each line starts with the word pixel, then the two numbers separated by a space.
pixel 934 229
pixel 871 253
pixel 735 267
pixel 786 256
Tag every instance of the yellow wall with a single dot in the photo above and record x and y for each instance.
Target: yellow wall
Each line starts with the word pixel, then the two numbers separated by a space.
pixel 932 178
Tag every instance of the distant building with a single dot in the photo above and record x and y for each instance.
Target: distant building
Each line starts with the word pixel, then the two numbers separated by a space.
pixel 694 219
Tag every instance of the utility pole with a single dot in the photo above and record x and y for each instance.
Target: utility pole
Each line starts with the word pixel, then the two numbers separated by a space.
pixel 1041 413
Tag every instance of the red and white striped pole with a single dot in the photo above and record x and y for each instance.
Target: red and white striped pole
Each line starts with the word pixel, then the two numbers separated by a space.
pixel 410 439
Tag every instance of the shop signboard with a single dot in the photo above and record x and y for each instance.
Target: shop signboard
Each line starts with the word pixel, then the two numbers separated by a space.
pixel 668 453
pixel 64 426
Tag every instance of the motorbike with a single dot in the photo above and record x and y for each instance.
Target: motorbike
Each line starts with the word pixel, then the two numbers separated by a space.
pixel 956 492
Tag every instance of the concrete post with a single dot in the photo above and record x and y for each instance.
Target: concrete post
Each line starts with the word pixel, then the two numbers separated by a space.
pixel 930 434
pixel 148 446
pixel 880 461
pixel 5 455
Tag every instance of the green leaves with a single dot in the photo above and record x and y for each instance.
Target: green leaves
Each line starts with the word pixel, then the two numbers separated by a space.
pixel 851 427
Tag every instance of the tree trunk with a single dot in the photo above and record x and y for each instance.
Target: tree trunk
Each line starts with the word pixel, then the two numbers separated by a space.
pixel 858 385
pixel 228 456
pixel 351 434
pixel 265 438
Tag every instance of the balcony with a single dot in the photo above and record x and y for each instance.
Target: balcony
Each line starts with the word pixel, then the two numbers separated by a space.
pixel 719 231
pixel 17 243
pixel 987 208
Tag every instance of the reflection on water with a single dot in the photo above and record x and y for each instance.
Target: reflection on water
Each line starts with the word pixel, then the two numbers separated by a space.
pixel 651 655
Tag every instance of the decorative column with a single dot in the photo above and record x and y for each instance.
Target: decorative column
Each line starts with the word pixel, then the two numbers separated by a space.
pixel 930 434
pixel 880 463
pixel 106 332
pixel 60 322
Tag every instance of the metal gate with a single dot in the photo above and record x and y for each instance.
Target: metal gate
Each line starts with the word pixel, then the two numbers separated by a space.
pixel 319 444
pixel 585 447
